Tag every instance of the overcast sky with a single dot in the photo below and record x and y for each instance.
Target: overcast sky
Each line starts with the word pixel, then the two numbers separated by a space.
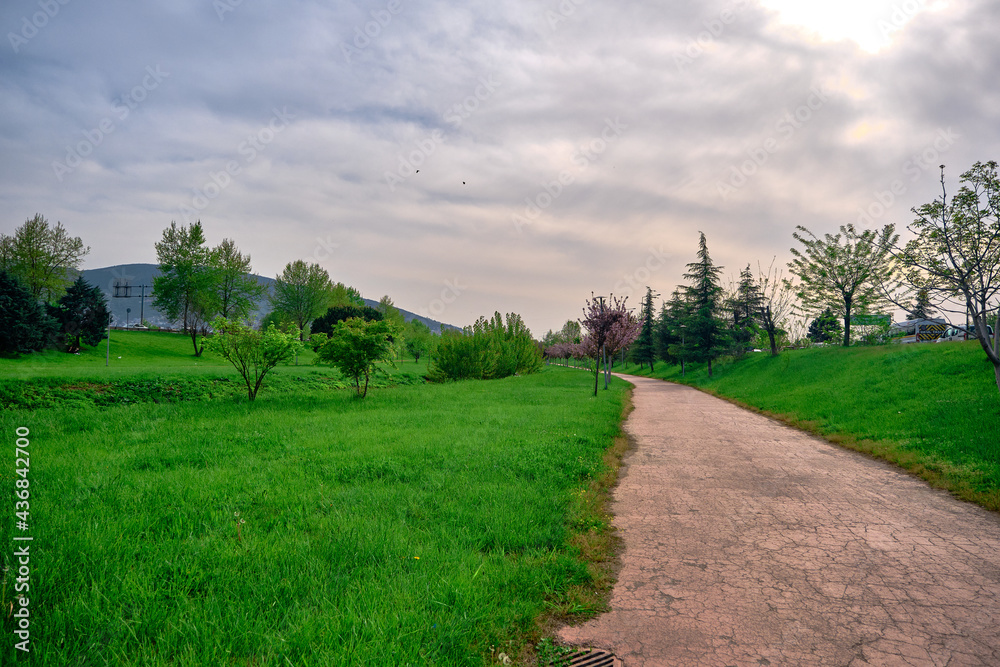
pixel 563 147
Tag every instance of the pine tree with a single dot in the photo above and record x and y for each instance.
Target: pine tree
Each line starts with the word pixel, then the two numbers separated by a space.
pixel 644 348
pixel 705 337
pixel 82 314
pixel 825 328
pixel 745 305
pixel 24 324
pixel 668 330
pixel 921 309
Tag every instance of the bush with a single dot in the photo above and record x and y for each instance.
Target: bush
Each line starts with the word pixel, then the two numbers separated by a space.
pixel 356 346
pixel 487 350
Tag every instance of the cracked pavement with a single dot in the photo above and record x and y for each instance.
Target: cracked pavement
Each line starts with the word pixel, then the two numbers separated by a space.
pixel 750 543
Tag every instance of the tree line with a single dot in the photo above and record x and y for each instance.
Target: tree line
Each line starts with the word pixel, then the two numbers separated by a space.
pixel 950 263
pixel 211 294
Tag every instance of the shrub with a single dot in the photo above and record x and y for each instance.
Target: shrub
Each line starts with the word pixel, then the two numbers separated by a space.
pixel 487 350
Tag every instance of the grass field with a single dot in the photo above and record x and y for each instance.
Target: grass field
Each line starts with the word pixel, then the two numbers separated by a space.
pixel 424 525
pixel 931 408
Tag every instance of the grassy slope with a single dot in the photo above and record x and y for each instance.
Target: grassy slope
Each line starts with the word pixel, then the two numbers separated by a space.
pixel 422 525
pixel 933 408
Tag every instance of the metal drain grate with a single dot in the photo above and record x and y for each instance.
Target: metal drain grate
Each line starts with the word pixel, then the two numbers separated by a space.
pixel 592 657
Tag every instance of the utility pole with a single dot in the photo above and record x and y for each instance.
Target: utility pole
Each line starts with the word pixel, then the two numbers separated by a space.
pixel 107 358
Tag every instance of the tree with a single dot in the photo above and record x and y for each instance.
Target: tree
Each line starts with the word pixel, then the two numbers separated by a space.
pixel 610 327
pixel 705 335
pixel 236 292
pixel 744 304
pixel 776 300
pixel 303 292
pixel 644 350
pixel 252 352
pixel 82 314
pixel 342 295
pixel 356 347
pixel 956 253
pixel 825 328
pixel 847 272
pixel 419 339
pixel 335 314
pixel 921 308
pixel 42 257
pixel 184 289
pixel 25 326
pixel 668 332
pixel 392 315
pixel 570 332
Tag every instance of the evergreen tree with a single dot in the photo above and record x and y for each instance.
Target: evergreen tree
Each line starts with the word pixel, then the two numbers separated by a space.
pixel 327 321
pixel 670 328
pixel 24 324
pixel 82 314
pixel 745 305
pixel 644 348
pixel 921 309
pixel 825 328
pixel 705 336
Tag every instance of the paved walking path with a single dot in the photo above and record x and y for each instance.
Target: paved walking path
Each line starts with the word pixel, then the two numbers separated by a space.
pixel 750 543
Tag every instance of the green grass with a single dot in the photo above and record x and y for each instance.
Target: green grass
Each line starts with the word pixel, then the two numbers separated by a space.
pixel 424 525
pixel 934 409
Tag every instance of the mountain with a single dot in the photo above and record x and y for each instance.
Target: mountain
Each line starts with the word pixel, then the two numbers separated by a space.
pixel 123 285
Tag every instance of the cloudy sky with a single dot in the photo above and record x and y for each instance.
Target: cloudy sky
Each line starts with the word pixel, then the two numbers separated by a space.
pixel 563 146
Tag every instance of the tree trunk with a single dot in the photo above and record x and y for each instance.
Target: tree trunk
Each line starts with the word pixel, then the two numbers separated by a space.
pixel 847 322
pixel 774 344
pixel 709 368
pixel 194 341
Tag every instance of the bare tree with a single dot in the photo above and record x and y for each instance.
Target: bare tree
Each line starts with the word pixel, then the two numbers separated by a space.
pixel 956 253
pixel 776 304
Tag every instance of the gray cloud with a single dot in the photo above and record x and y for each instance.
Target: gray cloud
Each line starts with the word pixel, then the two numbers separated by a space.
pixel 497 101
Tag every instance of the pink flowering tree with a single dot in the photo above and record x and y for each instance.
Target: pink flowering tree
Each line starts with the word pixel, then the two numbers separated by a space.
pixel 610 327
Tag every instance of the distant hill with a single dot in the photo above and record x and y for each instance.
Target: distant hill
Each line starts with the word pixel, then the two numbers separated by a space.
pixel 134 276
